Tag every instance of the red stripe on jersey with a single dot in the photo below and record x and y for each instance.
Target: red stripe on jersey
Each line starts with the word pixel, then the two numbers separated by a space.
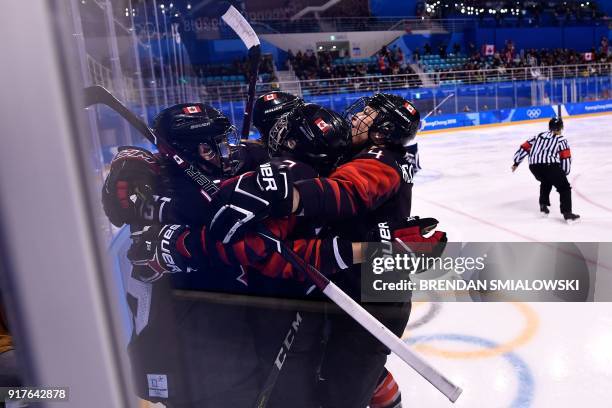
pixel 385 393
pixel 309 248
pixel 317 256
pixel 240 252
pixel 180 245
pixel 203 239
pixel 336 189
pixel 565 154
pixel 526 146
pixel 222 254
pixel 319 183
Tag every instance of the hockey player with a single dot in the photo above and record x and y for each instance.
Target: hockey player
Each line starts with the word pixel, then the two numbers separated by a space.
pixel 550 162
pixel 269 107
pixel 184 352
pixel 287 138
pixel 374 175
pixel 300 144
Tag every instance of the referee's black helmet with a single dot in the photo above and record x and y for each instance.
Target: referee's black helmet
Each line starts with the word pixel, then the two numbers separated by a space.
pixel 555 125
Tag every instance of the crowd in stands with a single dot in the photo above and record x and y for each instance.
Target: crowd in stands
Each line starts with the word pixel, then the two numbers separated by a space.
pixel 237 72
pixel 507 63
pixel 308 65
pixel 351 74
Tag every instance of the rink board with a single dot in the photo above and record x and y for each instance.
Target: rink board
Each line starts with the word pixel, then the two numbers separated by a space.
pixel 530 113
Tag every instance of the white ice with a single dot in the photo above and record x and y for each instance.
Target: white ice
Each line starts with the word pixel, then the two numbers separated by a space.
pixel 506 354
pixel 467 184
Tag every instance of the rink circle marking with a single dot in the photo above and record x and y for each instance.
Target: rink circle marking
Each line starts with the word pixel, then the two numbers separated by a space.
pixel 532 323
pixel 586 198
pixel 432 312
pixel 526 384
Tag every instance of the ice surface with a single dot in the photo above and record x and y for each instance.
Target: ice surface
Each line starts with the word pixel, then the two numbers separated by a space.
pixel 466 183
pixel 506 354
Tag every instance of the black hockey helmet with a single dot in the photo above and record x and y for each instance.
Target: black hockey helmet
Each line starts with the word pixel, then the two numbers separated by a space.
pixel 394 120
pixel 555 124
pixel 312 134
pixel 269 107
pixel 201 133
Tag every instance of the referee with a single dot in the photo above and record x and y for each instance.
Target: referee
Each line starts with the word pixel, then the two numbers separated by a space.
pixel 550 161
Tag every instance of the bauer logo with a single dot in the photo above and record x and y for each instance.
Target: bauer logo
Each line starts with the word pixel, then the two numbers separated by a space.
pixel 324 126
pixel 534 113
pixel 191 109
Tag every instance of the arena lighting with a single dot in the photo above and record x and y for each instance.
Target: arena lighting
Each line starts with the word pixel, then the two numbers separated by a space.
pixel 161 6
pixel 188 6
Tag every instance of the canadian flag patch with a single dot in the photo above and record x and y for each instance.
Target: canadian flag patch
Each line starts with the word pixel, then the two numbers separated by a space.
pixel 324 126
pixel 410 108
pixel 270 97
pixel 191 109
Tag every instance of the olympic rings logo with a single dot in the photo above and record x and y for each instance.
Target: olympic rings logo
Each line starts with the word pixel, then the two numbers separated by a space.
pixel 534 113
pixel 531 324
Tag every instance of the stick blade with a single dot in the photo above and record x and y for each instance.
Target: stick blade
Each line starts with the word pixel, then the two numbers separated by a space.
pixel 96 94
pixel 237 22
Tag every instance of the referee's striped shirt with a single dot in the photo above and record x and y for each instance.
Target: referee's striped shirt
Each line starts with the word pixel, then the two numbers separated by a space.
pixel 546 148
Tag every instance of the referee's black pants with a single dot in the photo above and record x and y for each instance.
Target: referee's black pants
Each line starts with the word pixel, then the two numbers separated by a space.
pixel 550 175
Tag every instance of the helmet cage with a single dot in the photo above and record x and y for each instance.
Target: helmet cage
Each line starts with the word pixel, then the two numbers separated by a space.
pixel 278 134
pixel 355 120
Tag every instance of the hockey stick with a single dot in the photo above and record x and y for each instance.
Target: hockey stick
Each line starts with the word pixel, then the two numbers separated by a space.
pixel 434 109
pixel 243 29
pixel 97 94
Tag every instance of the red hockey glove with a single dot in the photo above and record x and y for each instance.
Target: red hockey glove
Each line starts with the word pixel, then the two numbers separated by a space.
pixel 127 194
pixel 411 235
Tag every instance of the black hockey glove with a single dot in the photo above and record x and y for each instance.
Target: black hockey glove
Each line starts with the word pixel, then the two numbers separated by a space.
pixel 157 250
pixel 249 198
pixel 127 194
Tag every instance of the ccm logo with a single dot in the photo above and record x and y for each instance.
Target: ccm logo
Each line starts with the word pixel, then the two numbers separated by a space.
pixel 267 177
pixel 288 341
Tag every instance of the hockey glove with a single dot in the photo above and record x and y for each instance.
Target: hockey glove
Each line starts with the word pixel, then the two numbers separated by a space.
pixel 249 198
pixel 127 194
pixel 158 250
pixel 410 235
